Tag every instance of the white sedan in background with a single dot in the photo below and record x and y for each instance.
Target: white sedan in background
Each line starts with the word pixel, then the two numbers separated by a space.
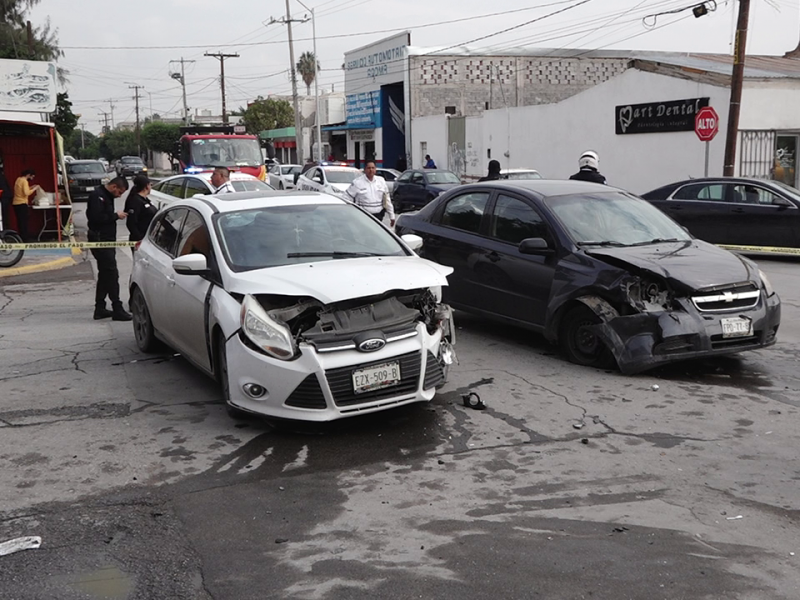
pixel 302 306
pixel 333 180
pixel 389 176
pixel 281 177
pixel 187 185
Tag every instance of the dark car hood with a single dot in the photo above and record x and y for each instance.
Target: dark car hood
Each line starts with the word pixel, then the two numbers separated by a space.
pixel 82 176
pixel 695 264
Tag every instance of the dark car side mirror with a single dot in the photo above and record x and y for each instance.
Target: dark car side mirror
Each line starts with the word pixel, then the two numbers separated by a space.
pixel 534 246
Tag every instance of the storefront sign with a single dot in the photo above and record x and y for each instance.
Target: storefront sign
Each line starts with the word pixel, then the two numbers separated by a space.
pixel 364 110
pixel 27 86
pixel 375 65
pixel 362 135
pixel 658 117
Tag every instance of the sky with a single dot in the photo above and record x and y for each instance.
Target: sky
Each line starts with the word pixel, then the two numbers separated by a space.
pixel 110 45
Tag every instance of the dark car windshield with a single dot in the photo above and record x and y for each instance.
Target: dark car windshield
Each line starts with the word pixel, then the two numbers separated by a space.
pixel 613 218
pixel 443 177
pixel 282 235
pixel 790 191
pixel 75 169
pixel 290 170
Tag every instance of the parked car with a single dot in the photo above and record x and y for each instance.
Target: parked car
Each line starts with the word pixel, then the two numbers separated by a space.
pixel 390 176
pixel 332 180
pixel 733 210
pixel 598 270
pixel 415 188
pixel 257 290
pixel 281 177
pixel 516 174
pixel 178 187
pixel 130 166
pixel 105 163
pixel 83 176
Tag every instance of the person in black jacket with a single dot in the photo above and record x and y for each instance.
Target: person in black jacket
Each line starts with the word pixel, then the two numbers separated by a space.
pixel 138 208
pixel 588 163
pixel 102 218
pixel 494 171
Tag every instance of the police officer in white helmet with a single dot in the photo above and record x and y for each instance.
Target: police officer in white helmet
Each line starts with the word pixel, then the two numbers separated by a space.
pixel 588 163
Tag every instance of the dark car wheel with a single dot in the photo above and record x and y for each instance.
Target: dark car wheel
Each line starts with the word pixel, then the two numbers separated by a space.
pixel 142 323
pixel 221 369
pixel 8 258
pixel 580 345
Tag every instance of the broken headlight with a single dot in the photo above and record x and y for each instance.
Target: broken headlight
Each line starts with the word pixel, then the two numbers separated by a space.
pixel 266 333
pixel 768 289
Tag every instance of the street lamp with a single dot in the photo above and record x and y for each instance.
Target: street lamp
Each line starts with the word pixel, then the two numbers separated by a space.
pixel 316 80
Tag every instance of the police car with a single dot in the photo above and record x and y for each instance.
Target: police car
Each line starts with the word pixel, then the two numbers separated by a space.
pixel 330 178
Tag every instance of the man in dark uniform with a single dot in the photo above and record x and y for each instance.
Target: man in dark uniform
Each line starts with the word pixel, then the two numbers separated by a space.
pixel 494 171
pixel 589 163
pixel 103 217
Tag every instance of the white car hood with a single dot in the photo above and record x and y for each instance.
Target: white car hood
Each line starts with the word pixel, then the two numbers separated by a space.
pixel 342 279
pixel 342 187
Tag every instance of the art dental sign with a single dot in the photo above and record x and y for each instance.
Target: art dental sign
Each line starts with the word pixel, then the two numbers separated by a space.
pixel 658 117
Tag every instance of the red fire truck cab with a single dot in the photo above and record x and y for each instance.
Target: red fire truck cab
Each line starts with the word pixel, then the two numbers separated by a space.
pixel 204 147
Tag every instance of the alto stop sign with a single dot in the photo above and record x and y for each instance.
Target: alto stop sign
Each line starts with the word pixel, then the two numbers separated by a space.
pixel 706 124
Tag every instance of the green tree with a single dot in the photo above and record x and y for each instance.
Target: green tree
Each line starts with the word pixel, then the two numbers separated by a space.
pixel 88 147
pixel 14 34
pixel 65 120
pixel 162 137
pixel 263 114
pixel 307 66
pixel 118 143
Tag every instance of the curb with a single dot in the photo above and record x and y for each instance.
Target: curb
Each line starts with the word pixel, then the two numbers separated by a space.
pixel 59 263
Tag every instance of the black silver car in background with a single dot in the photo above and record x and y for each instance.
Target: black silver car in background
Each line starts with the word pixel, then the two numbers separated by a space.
pixel 734 211
pixel 83 176
pixel 130 166
pixel 416 187
pixel 596 269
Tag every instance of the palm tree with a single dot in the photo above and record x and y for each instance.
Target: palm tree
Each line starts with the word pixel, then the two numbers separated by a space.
pixel 307 66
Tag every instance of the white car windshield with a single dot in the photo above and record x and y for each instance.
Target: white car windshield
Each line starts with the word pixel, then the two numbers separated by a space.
pixel 341 176
pixel 614 219
pixel 284 235
pixel 290 170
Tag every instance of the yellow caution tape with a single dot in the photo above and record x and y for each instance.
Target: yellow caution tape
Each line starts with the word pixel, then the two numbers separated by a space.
pixel 67 245
pixel 761 249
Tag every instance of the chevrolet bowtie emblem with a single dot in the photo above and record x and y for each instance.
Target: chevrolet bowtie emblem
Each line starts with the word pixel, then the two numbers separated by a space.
pixel 728 296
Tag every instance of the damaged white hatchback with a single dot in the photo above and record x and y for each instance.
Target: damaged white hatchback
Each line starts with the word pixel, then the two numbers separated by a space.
pixel 301 305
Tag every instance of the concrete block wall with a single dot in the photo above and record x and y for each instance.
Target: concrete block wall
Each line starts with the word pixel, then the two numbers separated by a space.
pixel 471 83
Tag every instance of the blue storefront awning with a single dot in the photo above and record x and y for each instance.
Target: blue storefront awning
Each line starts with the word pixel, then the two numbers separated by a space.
pixel 347 127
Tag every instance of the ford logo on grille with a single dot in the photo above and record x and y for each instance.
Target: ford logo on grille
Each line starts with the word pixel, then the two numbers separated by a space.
pixel 371 345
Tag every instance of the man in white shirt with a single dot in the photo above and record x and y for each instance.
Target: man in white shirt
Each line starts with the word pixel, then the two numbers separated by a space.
pixel 221 180
pixel 369 191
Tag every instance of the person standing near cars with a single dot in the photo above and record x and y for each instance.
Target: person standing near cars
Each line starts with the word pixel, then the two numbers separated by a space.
pixel 370 192
pixel 588 163
pixel 139 209
pixel 22 192
pixel 429 164
pixel 221 180
pixel 102 218
pixel 494 171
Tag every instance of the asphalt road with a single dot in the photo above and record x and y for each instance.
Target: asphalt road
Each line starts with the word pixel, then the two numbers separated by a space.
pixel 573 483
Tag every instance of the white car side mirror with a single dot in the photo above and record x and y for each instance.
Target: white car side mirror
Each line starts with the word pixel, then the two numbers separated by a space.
pixel 191 264
pixel 412 241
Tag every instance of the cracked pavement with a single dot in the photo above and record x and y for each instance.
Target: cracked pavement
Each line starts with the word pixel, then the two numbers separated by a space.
pixel 572 483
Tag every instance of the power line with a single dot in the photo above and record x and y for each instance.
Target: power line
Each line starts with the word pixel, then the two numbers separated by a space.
pixel 221 57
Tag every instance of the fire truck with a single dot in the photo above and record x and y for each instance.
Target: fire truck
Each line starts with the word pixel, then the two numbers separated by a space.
pixel 201 148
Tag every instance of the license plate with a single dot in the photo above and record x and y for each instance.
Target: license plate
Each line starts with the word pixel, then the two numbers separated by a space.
pixel 376 378
pixel 88 188
pixel 736 327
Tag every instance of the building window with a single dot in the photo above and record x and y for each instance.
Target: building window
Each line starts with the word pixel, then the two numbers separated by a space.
pixel 450 110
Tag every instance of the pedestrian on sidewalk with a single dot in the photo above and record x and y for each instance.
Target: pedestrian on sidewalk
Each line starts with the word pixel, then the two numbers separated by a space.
pixel 102 218
pixel 588 164
pixel 494 171
pixel 429 164
pixel 139 209
pixel 22 192
pixel 370 192
pixel 221 180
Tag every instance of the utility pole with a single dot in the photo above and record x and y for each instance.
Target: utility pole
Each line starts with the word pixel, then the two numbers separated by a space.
pixel 111 104
pixel 83 132
pixel 737 79
pixel 318 118
pixel 298 133
pixel 29 30
pixel 222 58
pixel 136 88
pixel 182 78
pixel 105 121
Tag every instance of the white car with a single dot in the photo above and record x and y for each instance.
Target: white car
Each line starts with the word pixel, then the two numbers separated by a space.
pixel 281 177
pixel 187 185
pixel 332 180
pixel 302 306
pixel 389 175
pixel 519 174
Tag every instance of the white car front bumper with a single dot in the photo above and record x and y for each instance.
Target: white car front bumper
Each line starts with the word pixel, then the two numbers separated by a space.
pixel 319 386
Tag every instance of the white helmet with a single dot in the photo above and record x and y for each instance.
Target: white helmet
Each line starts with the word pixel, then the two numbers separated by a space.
pixel 589 159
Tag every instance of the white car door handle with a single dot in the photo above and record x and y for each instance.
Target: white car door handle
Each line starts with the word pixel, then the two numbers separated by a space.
pixel 171 281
